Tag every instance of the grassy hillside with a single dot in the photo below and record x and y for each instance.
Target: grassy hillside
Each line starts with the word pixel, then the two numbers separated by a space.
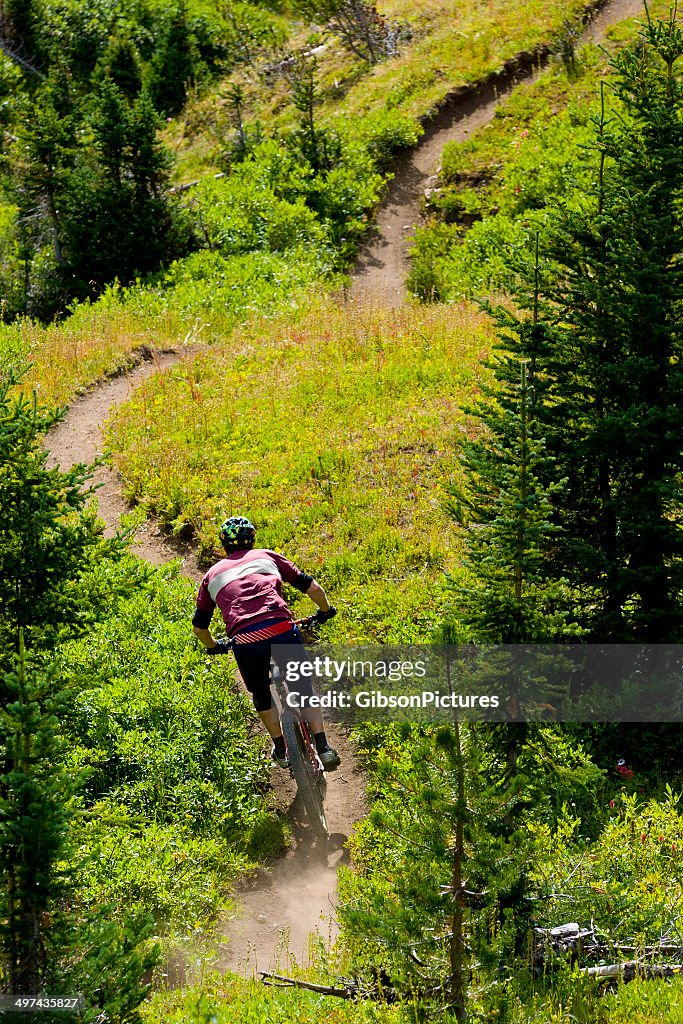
pixel 338 429
pixel 298 223
pixel 503 184
pixel 444 46
pixel 338 432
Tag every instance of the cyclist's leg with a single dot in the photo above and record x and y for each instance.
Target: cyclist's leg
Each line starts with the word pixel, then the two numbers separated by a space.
pixel 289 654
pixel 253 661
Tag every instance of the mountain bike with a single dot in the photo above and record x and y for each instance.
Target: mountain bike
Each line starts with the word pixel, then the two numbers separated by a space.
pixel 304 763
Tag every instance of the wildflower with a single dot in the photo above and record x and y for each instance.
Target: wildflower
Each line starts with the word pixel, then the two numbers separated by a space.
pixel 643 837
pixel 611 803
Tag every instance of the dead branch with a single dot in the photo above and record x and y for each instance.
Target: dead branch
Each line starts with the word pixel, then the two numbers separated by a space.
pixel 349 991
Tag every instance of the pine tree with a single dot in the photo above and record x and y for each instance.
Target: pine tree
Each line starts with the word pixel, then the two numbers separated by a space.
pixel 120 62
pixel 35 796
pixel 50 941
pixel 172 67
pixel 414 902
pixel 46 538
pixel 607 369
pixel 441 883
pixel 41 159
pixel 48 542
pixel 506 593
pixel 118 218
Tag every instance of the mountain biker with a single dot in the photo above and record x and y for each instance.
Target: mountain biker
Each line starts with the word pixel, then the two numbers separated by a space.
pixel 246 586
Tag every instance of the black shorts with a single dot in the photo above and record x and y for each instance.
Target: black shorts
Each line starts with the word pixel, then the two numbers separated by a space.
pixel 253 661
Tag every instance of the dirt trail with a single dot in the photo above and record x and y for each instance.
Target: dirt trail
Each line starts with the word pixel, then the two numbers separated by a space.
pixel 294 898
pixel 383 262
pixel 284 907
pixel 79 438
pixel 284 904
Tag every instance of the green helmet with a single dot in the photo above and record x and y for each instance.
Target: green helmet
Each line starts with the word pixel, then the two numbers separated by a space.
pixel 237 533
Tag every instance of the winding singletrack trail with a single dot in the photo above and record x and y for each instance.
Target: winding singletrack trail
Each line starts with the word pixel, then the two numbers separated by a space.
pixel 79 438
pixel 285 904
pixel 294 898
pixel 383 262
pixel 291 904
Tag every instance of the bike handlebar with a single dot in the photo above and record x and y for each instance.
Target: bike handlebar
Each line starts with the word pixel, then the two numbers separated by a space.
pixel 317 619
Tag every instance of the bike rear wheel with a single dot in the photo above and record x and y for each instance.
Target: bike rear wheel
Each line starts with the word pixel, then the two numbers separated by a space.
pixel 309 778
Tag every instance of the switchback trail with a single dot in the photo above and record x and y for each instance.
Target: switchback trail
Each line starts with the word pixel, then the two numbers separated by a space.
pixel 295 897
pixel 283 905
pixel 383 261
pixel 79 438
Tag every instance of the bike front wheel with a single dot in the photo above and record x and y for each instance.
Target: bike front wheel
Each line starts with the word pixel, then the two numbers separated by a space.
pixel 307 772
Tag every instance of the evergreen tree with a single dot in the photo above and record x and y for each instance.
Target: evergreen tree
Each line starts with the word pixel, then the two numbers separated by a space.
pixel 172 67
pixel 40 162
pixel 441 882
pixel 48 542
pixel 46 538
pixel 506 593
pixel 118 217
pixel 413 900
pixel 319 146
pixel 91 183
pixel 606 368
pixel 50 940
pixel 121 63
pixel 35 797
pixel 235 96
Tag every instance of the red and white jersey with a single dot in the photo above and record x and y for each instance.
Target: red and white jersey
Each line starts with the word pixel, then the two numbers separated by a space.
pixel 247 587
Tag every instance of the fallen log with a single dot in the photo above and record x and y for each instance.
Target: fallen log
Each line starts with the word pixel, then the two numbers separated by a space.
pixel 193 184
pixel 632 969
pixel 577 943
pixel 663 950
pixel 380 988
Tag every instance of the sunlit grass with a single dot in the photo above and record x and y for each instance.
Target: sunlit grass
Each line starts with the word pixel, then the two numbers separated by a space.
pixel 234 1000
pixel 66 358
pixel 197 308
pixel 460 44
pixel 452 45
pixel 338 435
pixel 500 186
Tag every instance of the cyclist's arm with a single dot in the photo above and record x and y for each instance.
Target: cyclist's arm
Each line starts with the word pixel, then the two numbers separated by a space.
pixel 203 613
pixel 301 580
pixel 205 636
pixel 318 596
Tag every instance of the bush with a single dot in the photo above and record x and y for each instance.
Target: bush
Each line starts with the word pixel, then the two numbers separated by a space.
pixel 173 793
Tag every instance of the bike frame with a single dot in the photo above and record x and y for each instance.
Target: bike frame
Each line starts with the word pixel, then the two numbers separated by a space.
pixel 305 765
